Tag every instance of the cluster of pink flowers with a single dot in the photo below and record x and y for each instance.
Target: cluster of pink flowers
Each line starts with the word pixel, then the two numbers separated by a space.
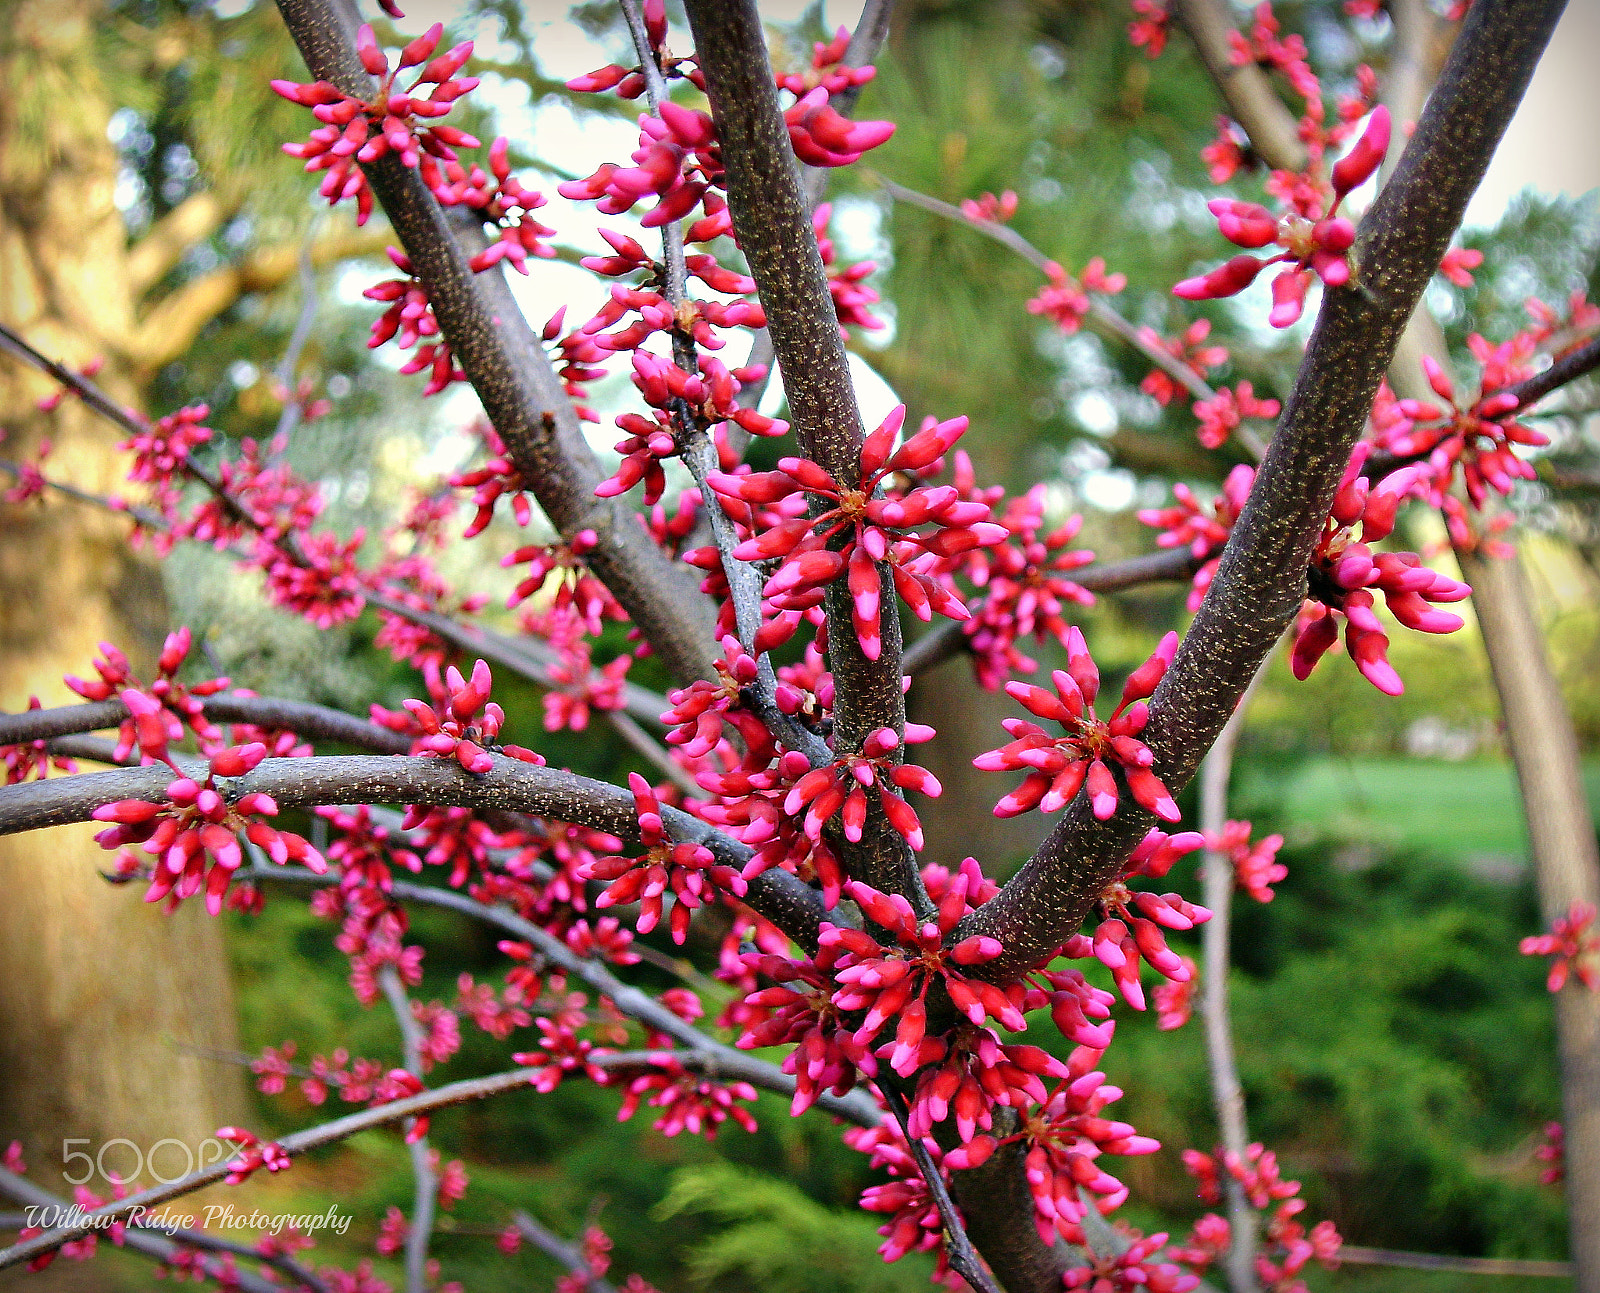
pixel 1064 300
pixel 1202 528
pixel 1059 766
pixel 1573 946
pixel 356 131
pixel 1287 1245
pixel 687 869
pixel 1345 571
pixel 193 835
pixel 32 758
pixel 1255 865
pixel 1222 415
pixel 1026 587
pixel 1311 240
pixel 879 529
pixel 457 731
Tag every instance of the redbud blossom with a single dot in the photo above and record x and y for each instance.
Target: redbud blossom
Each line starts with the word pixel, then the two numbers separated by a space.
pixel 1344 572
pixel 883 529
pixel 1061 765
pixel 841 787
pixel 1312 242
pixel 454 730
pixel 891 984
pixel 1202 528
pixel 194 835
pixel 1573 946
pixel 361 131
pixel 1255 866
pixel 689 870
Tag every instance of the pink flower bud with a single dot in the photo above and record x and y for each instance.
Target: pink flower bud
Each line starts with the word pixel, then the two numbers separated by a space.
pixel 1367 155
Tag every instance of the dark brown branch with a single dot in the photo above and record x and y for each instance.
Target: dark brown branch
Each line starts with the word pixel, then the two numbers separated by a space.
pixel 317 722
pixel 950 639
pixel 515 380
pixel 775 233
pixel 511 786
pixel 1261 581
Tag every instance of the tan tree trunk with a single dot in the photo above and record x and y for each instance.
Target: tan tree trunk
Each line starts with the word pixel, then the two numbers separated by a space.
pixel 102 999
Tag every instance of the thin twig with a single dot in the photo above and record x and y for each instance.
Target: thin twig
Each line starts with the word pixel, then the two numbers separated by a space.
pixel 552 1245
pixel 963 1257
pixel 521 658
pixel 293 1144
pixel 1227 1092
pixel 426 1187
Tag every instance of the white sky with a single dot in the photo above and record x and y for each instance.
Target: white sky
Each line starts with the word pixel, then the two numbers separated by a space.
pixel 1553 144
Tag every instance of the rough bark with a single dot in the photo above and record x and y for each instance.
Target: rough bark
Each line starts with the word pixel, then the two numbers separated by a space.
pixel 86 971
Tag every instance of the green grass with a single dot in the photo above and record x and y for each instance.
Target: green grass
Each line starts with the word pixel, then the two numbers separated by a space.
pixel 1461 810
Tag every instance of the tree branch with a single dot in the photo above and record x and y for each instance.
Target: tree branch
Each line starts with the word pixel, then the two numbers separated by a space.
pixel 315 721
pixel 512 786
pixel 775 233
pixel 552 1245
pixel 515 380
pixel 1261 581
pixel 964 1259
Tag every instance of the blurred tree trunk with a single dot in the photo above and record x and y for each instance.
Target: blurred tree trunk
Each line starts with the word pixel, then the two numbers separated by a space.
pixel 1544 748
pixel 101 998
